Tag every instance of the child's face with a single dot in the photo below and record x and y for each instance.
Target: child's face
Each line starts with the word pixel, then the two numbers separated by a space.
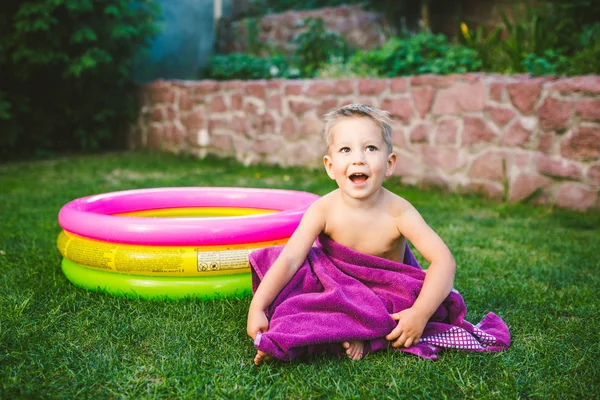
pixel 358 158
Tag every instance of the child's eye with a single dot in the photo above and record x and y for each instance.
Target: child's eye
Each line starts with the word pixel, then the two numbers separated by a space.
pixel 345 150
pixel 371 148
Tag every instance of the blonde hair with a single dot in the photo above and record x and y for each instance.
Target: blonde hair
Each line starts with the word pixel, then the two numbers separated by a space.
pixel 380 117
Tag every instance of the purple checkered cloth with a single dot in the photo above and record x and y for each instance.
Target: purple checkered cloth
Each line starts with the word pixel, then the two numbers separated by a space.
pixel 339 295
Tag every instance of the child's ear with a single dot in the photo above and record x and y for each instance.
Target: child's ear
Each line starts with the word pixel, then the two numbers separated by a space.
pixel 391 165
pixel 328 166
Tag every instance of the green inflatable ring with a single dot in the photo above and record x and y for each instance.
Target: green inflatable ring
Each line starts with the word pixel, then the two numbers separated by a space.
pixel 158 287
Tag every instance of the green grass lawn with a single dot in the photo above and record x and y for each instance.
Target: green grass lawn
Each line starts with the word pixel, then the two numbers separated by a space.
pixel 538 268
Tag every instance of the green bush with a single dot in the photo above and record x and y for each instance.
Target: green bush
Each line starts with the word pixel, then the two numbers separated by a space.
pixel 550 63
pixel 544 38
pixel 316 46
pixel 587 59
pixel 67 72
pixel 420 53
pixel 247 66
pixel 262 7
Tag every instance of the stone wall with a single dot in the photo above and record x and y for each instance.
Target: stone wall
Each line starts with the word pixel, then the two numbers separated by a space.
pixel 362 29
pixel 510 137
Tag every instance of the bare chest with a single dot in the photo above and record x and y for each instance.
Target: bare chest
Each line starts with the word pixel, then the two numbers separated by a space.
pixel 375 234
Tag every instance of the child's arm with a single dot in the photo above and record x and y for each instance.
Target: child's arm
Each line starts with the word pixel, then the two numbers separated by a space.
pixel 438 283
pixel 285 266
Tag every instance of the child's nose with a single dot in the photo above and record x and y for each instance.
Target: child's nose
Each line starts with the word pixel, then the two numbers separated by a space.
pixel 359 158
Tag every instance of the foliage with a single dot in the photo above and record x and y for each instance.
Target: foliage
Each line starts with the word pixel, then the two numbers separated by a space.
pixel 59 341
pixel 531 33
pixel 262 7
pixel 337 68
pixel 547 38
pixel 253 43
pixel 550 63
pixel 315 46
pixel 569 19
pixel 420 53
pixel 66 72
pixel 587 59
pixel 483 43
pixel 247 66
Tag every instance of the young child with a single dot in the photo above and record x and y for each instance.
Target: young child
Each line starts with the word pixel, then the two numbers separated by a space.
pixel 365 217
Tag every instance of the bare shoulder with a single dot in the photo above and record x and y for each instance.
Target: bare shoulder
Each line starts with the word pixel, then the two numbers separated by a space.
pixel 398 205
pixel 318 210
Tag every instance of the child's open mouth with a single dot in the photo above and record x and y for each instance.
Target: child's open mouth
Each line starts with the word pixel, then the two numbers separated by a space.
pixel 358 178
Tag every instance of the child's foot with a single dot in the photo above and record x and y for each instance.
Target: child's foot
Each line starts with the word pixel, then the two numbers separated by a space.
pixel 354 349
pixel 261 357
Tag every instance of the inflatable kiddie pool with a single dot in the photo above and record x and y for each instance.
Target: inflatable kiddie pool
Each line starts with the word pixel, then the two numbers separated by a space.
pixel 172 243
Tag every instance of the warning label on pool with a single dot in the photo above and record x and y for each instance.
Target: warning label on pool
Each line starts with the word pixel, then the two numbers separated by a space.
pixel 223 260
pixel 151 260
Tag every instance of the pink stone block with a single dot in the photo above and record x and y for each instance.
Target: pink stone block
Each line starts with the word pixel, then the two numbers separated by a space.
pixel 266 145
pixel 406 165
pixel 399 108
pixel 319 88
pixel 274 102
pixel 343 87
pixel 310 125
pixel 299 106
pixel 524 95
pixel 516 135
pixel 497 91
pixel 221 143
pixel 288 128
pixel 558 168
pixel 158 114
pixel 194 120
pixel 446 131
pixel 555 114
pixel 476 130
pixel 293 89
pixel 500 115
pixel 490 190
pixel 588 109
pixel 398 136
pixel 593 175
pixel 326 105
pixel 257 90
pixel 459 99
pixel 420 133
pixel 268 123
pixel 161 92
pixel 444 157
pixel 155 137
pixel 238 124
pixel 185 101
pixel 398 85
pixel 576 196
pixel 371 86
pixel 215 124
pixel 217 105
pixel 525 185
pixel 589 84
pixel 489 165
pixel 437 81
pixel 236 101
pixel 233 85
pixel 545 142
pixel 206 87
pixel 423 98
pixel 583 143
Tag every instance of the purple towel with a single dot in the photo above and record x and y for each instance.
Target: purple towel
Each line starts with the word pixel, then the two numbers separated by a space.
pixel 339 294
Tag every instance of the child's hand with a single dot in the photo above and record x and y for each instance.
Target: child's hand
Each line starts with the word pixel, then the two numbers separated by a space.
pixel 410 327
pixel 257 322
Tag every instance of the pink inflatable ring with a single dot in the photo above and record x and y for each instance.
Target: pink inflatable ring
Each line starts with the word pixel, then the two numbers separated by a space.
pixel 93 216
